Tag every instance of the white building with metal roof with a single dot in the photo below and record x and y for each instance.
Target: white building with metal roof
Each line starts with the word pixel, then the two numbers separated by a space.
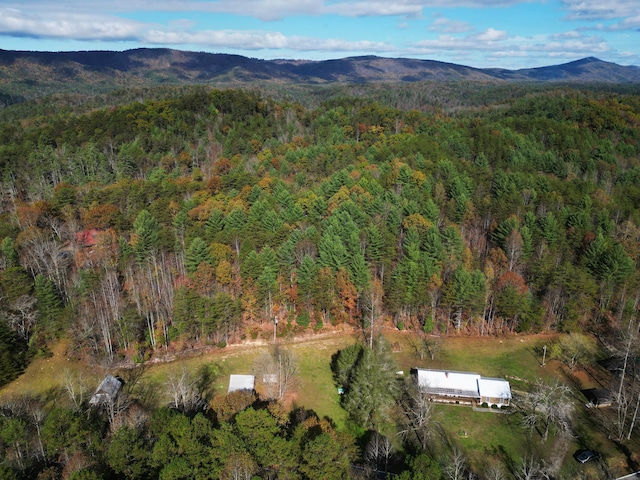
pixel 463 387
pixel 241 382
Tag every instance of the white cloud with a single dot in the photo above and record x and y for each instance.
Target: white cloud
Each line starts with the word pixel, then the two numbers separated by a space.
pixel 630 23
pixel 496 45
pixel 266 10
pixel 78 26
pixel 491 35
pixel 575 47
pixel 486 40
pixel 375 9
pixel 261 40
pixel 569 34
pixel 594 10
pixel 446 25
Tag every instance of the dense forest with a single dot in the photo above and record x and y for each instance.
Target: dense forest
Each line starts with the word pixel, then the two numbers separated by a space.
pixel 146 223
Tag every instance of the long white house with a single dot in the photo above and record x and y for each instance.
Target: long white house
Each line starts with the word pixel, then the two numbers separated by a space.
pixel 463 387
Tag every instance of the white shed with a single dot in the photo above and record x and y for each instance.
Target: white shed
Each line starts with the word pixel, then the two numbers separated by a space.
pixel 241 382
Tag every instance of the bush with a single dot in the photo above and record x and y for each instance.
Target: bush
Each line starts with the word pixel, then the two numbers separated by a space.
pixel 429 325
pixel 303 319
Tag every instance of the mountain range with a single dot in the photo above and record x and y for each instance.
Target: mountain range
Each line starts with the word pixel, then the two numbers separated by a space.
pixel 23 70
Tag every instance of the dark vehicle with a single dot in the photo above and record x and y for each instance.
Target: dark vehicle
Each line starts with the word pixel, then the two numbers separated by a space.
pixel 584 456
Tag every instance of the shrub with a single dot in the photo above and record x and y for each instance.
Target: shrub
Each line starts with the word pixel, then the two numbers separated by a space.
pixel 429 325
pixel 303 319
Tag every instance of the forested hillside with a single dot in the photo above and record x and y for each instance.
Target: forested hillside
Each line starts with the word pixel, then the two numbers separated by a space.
pixel 202 217
pixel 198 217
pixel 28 75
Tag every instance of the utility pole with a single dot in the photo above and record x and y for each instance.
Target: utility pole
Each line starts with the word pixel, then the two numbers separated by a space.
pixel 275 327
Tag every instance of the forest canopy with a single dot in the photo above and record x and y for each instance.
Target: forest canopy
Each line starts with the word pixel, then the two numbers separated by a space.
pixel 192 218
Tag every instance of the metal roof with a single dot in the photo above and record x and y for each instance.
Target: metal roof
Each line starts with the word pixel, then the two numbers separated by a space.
pixel 107 390
pixel 445 382
pixel 494 388
pixel 462 384
pixel 241 382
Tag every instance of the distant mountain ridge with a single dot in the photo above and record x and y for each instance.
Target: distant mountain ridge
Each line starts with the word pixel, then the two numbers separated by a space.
pixel 152 66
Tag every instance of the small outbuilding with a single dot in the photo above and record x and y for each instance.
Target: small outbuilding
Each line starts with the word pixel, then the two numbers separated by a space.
pixel 598 397
pixel 241 382
pixel 107 391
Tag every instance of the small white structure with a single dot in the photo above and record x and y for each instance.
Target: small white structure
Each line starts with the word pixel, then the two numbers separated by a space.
pixel 107 391
pixel 269 378
pixel 463 387
pixel 241 382
pixel 494 391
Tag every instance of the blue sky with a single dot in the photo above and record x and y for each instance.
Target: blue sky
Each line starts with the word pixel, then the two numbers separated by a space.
pixel 480 33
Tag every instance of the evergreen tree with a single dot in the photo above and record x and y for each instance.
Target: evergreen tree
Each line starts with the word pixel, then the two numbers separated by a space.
pixel 49 303
pixel 215 223
pixel 9 252
pixel 197 253
pixel 147 230
pixel 332 252
pixel 372 386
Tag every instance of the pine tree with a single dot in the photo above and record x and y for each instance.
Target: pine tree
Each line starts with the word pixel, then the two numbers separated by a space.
pixel 332 252
pixel 197 253
pixel 7 247
pixel 214 224
pixel 147 231
pixel 49 302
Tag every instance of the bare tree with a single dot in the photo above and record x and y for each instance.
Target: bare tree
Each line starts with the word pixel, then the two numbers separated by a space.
pixel 425 345
pixel 152 290
pixel 495 472
pixel 627 396
pixel 22 315
pixel 457 467
pixel 190 391
pixel 278 371
pixel 105 307
pixel 41 253
pixel 513 248
pixel 417 413
pixel 378 450
pixel 76 387
pixel 530 468
pixel 546 405
pixel 37 415
pixel 239 466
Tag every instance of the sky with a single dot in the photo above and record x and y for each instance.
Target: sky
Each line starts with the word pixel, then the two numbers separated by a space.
pixel 479 33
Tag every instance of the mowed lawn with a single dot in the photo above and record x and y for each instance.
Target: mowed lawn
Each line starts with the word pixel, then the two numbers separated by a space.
pixel 508 357
pixel 513 357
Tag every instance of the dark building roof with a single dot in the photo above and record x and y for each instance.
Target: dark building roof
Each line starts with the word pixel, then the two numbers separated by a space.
pixel 107 390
